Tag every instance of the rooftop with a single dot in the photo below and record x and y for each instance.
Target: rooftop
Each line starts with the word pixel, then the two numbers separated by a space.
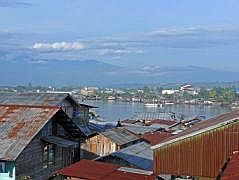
pixel 139 155
pixel 232 169
pixel 92 128
pixel 19 124
pixel 87 169
pixel 120 136
pixel 138 129
pixel 49 99
pixel 202 127
pixel 40 99
pixel 155 137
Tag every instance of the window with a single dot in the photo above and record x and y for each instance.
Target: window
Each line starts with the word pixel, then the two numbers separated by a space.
pixel 3 167
pixel 48 155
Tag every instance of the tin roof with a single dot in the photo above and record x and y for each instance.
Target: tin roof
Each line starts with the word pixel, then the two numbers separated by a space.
pixel 232 169
pixel 202 127
pixel 19 124
pixel 46 99
pixel 138 129
pixel 41 99
pixel 155 137
pixel 140 155
pixel 130 174
pixel 59 141
pixel 87 169
pixel 93 128
pixel 161 121
pixel 120 136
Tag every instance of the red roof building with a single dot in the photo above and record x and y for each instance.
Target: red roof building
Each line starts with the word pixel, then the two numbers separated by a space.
pixel 87 169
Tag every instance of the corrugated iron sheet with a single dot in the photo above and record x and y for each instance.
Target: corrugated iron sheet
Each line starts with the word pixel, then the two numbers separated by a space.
pixel 19 124
pixel 231 171
pixel 155 137
pixel 139 155
pixel 86 169
pixel 138 129
pixel 120 136
pixel 202 154
pixel 130 174
pixel 205 125
pixel 50 99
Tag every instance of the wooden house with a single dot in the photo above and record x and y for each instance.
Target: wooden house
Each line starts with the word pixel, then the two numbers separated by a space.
pixel 79 112
pixel 106 142
pixel 35 140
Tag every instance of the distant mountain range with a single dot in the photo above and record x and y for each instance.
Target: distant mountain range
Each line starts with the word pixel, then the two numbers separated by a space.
pixel 93 72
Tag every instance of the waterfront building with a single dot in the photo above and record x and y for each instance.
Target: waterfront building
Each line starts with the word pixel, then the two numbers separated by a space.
pixel 79 112
pixel 106 142
pixel 39 132
pixel 201 150
pixel 35 141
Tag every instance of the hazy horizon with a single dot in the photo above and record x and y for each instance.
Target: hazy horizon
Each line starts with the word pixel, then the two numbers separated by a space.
pixel 132 34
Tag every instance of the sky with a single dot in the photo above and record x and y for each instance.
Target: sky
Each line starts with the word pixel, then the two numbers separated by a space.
pixel 132 33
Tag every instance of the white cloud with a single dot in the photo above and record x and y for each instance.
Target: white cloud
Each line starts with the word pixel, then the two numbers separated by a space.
pixel 59 46
pixel 120 51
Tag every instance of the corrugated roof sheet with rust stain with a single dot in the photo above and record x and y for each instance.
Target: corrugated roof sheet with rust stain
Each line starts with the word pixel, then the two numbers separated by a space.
pixel 120 136
pixel 202 127
pixel 232 169
pixel 87 169
pixel 155 137
pixel 19 124
pixel 46 99
pixel 161 121
pixel 43 99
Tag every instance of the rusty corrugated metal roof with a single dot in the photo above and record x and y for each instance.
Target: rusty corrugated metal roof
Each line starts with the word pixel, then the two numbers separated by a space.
pixel 18 126
pixel 232 169
pixel 88 169
pixel 156 137
pixel 120 135
pixel 202 127
pixel 46 99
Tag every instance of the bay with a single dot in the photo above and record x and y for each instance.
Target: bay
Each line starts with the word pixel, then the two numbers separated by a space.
pixel 117 110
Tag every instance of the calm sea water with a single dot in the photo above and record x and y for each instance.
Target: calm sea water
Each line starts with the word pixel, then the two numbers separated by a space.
pixel 115 110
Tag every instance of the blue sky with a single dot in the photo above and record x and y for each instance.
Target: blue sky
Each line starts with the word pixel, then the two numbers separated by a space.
pixel 127 33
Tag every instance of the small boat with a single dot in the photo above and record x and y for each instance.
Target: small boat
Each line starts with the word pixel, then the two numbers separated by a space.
pixel 151 105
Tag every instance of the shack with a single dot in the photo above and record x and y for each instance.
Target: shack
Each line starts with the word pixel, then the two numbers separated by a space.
pixel 79 112
pixel 106 142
